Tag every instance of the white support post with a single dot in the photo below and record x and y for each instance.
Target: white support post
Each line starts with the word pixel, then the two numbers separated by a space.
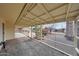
pixel 41 31
pixel 69 30
pixel 31 31
pixel 76 37
pixel 75 34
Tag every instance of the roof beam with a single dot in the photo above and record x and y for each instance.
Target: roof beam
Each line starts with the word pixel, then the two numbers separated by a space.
pixel 47 12
pixel 43 20
pixel 60 20
pixel 61 15
pixel 20 13
pixel 52 9
pixel 64 13
pixel 68 10
pixel 73 17
pixel 29 20
pixel 30 7
pixel 25 10
pixel 26 24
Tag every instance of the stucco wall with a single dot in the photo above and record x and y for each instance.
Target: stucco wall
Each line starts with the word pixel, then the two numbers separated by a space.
pixel 1 35
pixel 9 31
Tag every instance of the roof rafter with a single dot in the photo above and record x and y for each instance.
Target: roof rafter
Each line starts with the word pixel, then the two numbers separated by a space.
pixel 43 20
pixel 52 10
pixel 31 21
pixel 72 17
pixel 48 22
pixel 64 13
pixel 68 10
pixel 26 8
pixel 47 12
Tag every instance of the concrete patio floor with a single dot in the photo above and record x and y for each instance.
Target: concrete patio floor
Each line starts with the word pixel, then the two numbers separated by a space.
pixel 27 47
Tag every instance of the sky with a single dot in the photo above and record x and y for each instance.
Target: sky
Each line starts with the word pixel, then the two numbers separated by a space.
pixel 56 25
pixel 60 25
